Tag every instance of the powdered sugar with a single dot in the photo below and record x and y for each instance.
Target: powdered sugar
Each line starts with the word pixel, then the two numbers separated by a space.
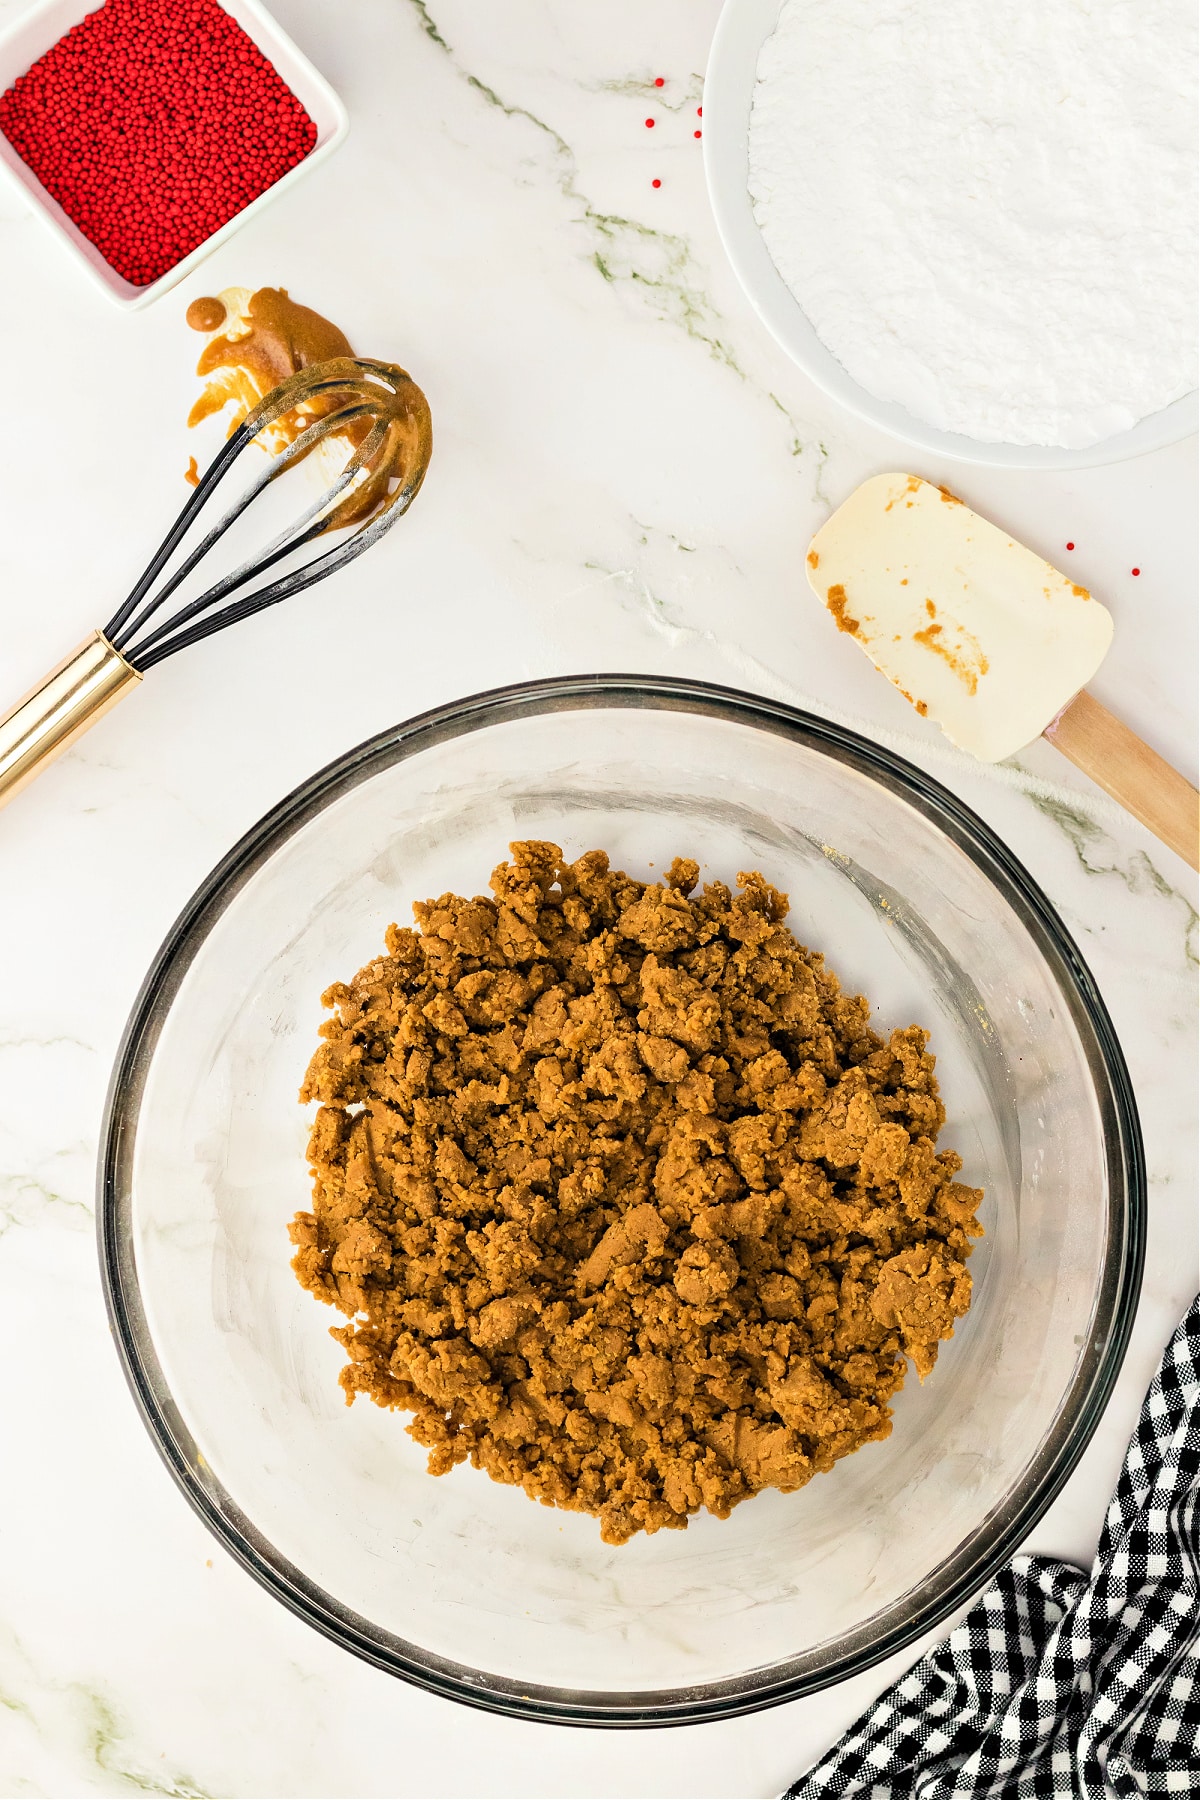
pixel 988 209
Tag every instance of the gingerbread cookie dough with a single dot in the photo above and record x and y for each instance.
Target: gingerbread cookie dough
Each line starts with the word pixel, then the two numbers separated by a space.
pixel 620 1195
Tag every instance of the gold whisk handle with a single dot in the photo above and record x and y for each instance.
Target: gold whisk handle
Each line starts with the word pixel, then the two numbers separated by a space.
pixel 59 710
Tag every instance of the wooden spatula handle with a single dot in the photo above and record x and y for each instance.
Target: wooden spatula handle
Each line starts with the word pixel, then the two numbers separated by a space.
pixel 1134 774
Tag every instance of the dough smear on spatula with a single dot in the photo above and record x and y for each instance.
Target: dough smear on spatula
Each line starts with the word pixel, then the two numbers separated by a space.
pixel 982 635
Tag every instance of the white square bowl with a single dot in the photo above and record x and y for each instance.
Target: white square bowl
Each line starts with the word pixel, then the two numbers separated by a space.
pixel 49 20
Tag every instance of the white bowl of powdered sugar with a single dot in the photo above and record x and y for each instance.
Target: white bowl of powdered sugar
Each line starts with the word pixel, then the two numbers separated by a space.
pixel 974 224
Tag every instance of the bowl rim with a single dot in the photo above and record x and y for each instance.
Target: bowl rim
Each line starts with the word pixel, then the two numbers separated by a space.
pixel 973 1565
pixel 729 81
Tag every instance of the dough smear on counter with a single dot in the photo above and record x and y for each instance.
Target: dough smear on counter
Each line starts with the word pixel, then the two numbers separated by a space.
pixel 622 1198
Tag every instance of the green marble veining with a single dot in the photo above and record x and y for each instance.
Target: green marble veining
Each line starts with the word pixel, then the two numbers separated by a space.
pixel 671 99
pixel 657 264
pixel 798 447
pixel 818 480
pixel 657 612
pixel 79 1724
pixel 26 1201
pixel 31 1195
pixel 1099 854
pixel 649 531
pixel 111 1754
pixel 10 1703
pixel 427 24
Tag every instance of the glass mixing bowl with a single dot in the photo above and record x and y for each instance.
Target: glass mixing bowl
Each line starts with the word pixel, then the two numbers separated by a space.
pixel 470 1588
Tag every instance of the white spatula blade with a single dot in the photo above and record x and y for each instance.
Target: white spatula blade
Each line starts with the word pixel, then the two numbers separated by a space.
pixel 980 634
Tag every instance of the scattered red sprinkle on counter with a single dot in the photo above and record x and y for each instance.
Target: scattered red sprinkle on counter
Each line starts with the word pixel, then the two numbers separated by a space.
pixel 696 134
pixel 1070 546
pixel 656 182
pixel 649 124
pixel 699 112
pixel 659 82
pixel 1135 571
pixel 153 123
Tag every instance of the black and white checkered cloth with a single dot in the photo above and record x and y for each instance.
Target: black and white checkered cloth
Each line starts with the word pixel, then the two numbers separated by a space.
pixel 1056 1682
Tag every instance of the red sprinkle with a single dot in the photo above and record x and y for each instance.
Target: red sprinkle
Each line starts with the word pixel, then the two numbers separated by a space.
pixel 695 134
pixel 649 124
pixel 659 82
pixel 1135 571
pixel 1070 546
pixel 699 112
pixel 656 182
pixel 153 123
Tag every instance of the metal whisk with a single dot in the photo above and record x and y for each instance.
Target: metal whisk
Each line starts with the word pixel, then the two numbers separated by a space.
pixel 383 416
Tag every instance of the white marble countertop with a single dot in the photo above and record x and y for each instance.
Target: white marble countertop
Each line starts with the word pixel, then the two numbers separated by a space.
pixel 627 471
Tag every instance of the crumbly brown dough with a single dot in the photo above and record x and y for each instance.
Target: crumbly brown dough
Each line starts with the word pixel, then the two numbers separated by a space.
pixel 621 1196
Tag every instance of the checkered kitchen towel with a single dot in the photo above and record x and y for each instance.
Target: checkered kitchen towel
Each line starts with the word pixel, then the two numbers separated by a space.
pixel 1059 1683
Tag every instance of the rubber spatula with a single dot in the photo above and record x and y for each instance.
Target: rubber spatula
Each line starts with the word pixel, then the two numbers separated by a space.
pixel 989 641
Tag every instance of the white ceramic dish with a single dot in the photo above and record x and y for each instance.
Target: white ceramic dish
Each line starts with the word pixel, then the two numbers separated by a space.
pixel 46 22
pixel 742 30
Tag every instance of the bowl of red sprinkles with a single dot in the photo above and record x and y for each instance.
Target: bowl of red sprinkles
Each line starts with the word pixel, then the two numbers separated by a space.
pixel 145 132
